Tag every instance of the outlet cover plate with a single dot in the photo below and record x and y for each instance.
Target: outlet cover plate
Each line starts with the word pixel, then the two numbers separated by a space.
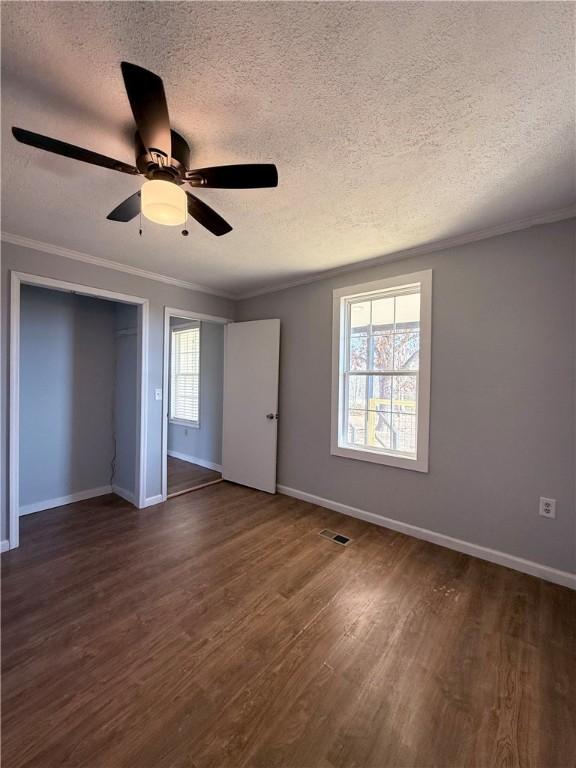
pixel 547 508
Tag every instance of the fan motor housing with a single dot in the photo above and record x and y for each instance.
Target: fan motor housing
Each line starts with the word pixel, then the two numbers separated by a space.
pixel 152 169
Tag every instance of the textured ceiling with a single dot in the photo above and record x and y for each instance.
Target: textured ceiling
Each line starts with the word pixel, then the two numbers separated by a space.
pixel 392 125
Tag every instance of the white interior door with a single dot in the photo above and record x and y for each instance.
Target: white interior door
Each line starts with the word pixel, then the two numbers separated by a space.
pixel 250 418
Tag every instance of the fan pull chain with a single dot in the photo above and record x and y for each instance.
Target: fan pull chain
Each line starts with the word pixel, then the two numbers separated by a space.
pixel 185 231
pixel 140 229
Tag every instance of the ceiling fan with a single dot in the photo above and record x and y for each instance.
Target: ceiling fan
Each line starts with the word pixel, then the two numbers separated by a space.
pixel 163 157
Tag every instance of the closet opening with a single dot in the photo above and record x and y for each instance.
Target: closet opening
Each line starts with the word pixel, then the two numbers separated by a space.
pixel 77 411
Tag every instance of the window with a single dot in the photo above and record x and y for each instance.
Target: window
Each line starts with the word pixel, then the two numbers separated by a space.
pixel 185 375
pixel 381 371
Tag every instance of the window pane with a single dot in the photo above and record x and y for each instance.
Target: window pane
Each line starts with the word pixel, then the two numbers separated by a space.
pixel 407 310
pixel 382 351
pixel 406 347
pixel 357 391
pixel 404 432
pixel 379 430
pixel 390 421
pixel 379 393
pixel 359 315
pixel 356 427
pixel 383 314
pixel 359 352
pixel 404 394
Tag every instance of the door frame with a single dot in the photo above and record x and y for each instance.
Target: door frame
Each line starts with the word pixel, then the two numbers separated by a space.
pixel 17 279
pixel 187 314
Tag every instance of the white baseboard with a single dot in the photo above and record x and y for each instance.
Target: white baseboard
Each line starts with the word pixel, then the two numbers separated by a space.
pixel 196 460
pixel 564 578
pixel 39 506
pixel 152 500
pixel 4 545
pixel 123 493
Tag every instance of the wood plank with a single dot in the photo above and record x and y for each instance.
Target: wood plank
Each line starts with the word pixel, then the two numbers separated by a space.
pixel 184 476
pixel 220 630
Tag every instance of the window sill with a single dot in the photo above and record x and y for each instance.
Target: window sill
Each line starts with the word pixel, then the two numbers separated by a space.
pixel 184 423
pixel 377 457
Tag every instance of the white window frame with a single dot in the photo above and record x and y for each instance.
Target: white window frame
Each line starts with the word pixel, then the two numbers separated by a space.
pixel 341 296
pixel 186 327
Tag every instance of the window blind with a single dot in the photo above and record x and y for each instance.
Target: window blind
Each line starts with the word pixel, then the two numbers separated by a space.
pixel 185 375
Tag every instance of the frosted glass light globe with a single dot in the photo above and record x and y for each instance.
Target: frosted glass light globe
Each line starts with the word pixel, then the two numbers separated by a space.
pixel 164 202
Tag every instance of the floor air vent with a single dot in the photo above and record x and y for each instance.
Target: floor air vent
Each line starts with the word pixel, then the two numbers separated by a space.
pixel 337 537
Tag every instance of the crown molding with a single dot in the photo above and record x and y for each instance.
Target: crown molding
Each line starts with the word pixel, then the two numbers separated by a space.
pixel 419 250
pixel 87 258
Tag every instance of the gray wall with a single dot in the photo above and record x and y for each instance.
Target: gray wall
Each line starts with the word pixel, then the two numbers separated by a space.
pixel 22 259
pixel 503 389
pixel 126 400
pixel 204 442
pixel 67 374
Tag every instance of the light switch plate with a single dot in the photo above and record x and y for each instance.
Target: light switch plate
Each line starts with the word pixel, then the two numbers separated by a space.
pixel 157 394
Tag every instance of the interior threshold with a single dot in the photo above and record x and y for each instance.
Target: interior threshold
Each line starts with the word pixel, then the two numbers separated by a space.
pixel 194 488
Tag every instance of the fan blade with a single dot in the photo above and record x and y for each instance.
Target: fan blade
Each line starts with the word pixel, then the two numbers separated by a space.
pixel 206 216
pixel 235 176
pixel 70 150
pixel 148 101
pixel 127 209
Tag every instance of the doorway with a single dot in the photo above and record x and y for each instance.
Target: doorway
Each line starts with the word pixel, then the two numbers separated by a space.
pixel 74 468
pixel 193 398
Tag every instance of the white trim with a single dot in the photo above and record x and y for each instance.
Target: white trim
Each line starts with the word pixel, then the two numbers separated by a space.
pixel 40 506
pixel 152 501
pixel 419 250
pixel 196 460
pixel 184 423
pixel 188 315
pixel 57 250
pixel 564 578
pixel 123 493
pixel 16 280
pixel 84 290
pixel 142 425
pixel 14 414
pixel 339 336
pixel 4 544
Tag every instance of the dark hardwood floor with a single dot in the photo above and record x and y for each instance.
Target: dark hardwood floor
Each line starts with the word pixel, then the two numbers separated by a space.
pixel 184 476
pixel 220 630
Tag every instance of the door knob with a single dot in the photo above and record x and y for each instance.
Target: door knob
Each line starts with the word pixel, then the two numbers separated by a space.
pixel 269 415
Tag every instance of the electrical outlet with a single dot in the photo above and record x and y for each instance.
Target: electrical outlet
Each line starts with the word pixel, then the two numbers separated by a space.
pixel 547 507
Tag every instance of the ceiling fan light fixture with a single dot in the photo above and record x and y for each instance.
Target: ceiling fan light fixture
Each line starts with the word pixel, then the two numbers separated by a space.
pixel 164 202
pixel 163 157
